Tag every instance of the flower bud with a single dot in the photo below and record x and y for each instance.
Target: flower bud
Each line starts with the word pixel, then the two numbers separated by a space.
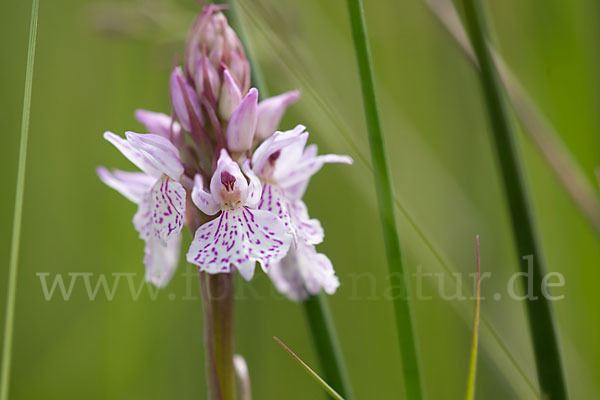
pixel 231 96
pixel 184 100
pixel 211 35
pixel 242 124
pixel 270 112
pixel 206 71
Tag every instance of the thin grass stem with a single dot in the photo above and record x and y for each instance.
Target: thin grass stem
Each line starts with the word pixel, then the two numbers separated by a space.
pixel 385 197
pixel 541 323
pixel 475 341
pixel 16 232
pixel 310 371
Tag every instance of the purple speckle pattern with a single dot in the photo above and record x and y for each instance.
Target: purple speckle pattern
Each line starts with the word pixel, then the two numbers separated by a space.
pixel 293 213
pixel 161 212
pixel 239 237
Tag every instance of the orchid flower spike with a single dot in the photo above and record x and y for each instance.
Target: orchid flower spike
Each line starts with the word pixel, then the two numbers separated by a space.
pixel 159 196
pixel 241 235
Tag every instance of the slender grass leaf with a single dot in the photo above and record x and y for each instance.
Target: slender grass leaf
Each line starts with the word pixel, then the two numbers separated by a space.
pixel 541 323
pixel 475 341
pixel 312 373
pixel 385 196
pixel 16 232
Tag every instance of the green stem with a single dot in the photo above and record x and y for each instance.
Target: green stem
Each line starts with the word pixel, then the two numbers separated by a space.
pixel 403 312
pixel 16 232
pixel 317 311
pixel 541 323
pixel 327 344
pixel 218 301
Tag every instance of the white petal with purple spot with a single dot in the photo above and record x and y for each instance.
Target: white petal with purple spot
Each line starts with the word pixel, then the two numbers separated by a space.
pixel 161 211
pixel 239 237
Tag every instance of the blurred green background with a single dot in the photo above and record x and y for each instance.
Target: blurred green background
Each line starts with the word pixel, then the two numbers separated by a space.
pixel 97 62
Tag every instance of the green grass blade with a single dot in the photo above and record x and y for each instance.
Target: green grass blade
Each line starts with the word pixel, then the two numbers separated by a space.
pixel 547 141
pixel 16 232
pixel 317 310
pixel 326 344
pixel 475 341
pixel 541 323
pixel 312 373
pixel 385 198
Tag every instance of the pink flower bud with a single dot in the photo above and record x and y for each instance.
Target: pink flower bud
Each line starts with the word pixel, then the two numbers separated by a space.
pixel 240 68
pixel 184 100
pixel 231 96
pixel 212 35
pixel 205 70
pixel 242 124
pixel 270 112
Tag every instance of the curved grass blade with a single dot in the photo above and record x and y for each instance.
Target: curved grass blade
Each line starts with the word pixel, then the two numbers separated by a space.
pixel 16 232
pixel 312 373
pixel 385 196
pixel 317 311
pixel 547 141
pixel 541 323
pixel 475 341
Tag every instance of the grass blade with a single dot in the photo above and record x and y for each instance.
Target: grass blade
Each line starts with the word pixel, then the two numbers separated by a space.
pixel 312 373
pixel 16 232
pixel 475 341
pixel 385 198
pixel 541 323
pixel 545 138
pixel 326 344
pixel 316 308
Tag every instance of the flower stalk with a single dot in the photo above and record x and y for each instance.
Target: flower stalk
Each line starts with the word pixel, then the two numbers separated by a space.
pixel 218 303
